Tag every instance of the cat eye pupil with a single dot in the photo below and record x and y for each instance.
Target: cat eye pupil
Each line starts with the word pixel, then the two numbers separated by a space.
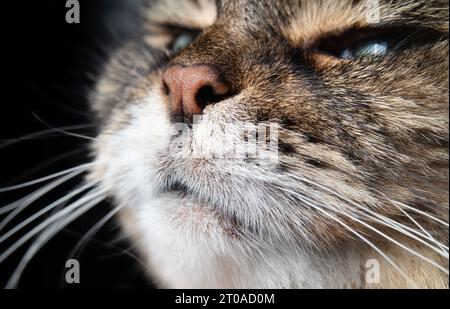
pixel 182 41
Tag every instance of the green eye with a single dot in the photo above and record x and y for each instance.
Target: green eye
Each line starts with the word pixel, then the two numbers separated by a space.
pixel 378 42
pixel 182 41
pixel 366 49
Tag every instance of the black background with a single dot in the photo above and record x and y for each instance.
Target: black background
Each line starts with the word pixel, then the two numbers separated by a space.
pixel 48 69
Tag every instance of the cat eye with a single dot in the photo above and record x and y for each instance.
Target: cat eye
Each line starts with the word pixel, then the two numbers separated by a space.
pixel 183 39
pixel 367 49
pixel 365 43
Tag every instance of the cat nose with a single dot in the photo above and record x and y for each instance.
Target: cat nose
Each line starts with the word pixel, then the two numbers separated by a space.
pixel 192 88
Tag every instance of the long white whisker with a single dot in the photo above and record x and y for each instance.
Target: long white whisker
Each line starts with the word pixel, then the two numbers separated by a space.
pixel 402 229
pixel 396 242
pixel 419 212
pixel 120 252
pixel 63 131
pixel 445 248
pixel 20 205
pixel 10 142
pixel 83 167
pixel 45 210
pixel 43 165
pixel 94 230
pixel 373 246
pixel 419 226
pixel 87 198
pixel 431 262
pixel 410 218
pixel 340 196
pixel 364 209
pixel 46 236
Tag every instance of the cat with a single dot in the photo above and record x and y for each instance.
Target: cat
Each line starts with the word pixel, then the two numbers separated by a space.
pixel 360 103
pixel 344 107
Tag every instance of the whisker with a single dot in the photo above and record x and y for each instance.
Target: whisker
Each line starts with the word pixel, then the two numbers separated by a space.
pixel 87 198
pixel 413 231
pixel 129 251
pixel 111 245
pixel 389 222
pixel 364 209
pixel 373 216
pixel 10 142
pixel 419 226
pixel 364 239
pixel 94 230
pixel 83 167
pixel 57 88
pixel 61 130
pixel 419 212
pixel 23 203
pixel 47 163
pixel 46 236
pixel 45 210
pixel 402 229
pixel 431 262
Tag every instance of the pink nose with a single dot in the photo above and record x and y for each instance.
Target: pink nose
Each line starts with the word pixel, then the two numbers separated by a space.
pixel 192 88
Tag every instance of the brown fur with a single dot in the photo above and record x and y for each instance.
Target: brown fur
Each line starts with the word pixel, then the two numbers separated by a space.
pixel 373 130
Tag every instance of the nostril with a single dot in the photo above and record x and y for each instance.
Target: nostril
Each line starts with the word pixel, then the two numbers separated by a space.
pixel 166 88
pixel 205 96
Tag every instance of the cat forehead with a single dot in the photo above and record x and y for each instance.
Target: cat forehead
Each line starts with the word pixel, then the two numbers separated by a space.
pixel 298 20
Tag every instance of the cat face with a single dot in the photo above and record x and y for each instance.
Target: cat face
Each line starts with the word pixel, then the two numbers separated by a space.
pixel 278 124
